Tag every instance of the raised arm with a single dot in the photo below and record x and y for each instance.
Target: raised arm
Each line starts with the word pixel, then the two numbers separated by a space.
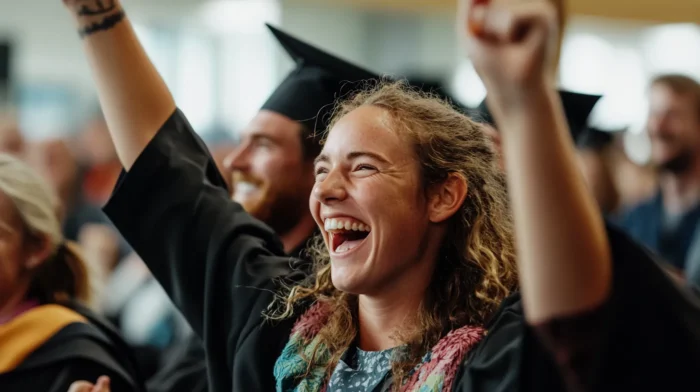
pixel 563 254
pixel 135 100
pixel 590 293
pixel 219 265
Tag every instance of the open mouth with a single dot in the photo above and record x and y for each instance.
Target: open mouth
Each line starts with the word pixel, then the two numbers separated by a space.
pixel 345 234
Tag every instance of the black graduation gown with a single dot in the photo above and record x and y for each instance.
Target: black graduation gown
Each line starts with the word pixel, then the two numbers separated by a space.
pixel 184 371
pixel 78 351
pixel 221 267
pixel 185 368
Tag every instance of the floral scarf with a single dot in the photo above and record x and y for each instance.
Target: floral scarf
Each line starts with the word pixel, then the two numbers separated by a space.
pixel 435 373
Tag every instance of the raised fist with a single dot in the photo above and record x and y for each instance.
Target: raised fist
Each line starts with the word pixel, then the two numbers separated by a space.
pixel 513 44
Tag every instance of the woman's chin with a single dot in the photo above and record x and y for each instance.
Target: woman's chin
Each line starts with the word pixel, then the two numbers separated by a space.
pixel 345 280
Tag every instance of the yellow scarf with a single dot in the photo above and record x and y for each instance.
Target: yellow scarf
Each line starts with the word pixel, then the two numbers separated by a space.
pixel 27 332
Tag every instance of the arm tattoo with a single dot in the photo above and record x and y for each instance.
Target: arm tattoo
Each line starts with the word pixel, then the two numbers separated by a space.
pixel 96 7
pixel 106 24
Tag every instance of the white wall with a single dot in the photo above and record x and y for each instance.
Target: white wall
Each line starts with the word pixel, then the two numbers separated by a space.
pixel 384 43
pixel 47 46
pixel 339 31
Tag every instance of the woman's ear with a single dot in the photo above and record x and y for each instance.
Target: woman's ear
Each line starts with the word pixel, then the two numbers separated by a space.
pixel 446 197
pixel 38 250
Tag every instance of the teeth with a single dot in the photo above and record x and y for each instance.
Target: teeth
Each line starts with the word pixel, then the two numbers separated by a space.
pixel 344 224
pixel 245 187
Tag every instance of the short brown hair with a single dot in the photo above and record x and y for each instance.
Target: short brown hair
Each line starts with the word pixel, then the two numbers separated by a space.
pixel 681 85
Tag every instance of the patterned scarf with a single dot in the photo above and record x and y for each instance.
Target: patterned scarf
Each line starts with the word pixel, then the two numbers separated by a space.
pixel 435 373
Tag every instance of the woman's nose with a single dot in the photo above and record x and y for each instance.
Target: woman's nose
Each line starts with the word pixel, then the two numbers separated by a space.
pixel 331 189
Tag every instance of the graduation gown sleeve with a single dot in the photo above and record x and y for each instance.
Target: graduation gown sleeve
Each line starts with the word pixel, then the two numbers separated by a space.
pixel 50 361
pixel 645 337
pixel 217 263
pixel 78 352
pixel 184 370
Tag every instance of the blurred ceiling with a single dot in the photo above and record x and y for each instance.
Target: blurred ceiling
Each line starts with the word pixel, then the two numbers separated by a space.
pixel 666 11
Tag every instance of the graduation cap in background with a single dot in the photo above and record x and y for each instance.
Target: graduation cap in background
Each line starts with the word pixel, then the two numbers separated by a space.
pixel 577 108
pixel 309 92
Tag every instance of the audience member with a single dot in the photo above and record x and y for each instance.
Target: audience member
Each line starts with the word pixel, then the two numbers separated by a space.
pixel 48 337
pixel 667 223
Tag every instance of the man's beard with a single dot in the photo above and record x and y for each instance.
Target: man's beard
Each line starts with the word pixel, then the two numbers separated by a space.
pixel 678 164
pixel 281 209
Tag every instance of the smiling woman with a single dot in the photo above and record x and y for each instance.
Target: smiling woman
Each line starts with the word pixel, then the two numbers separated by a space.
pixel 415 215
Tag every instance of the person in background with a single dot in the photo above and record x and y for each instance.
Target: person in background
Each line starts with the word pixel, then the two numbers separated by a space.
pixel 48 336
pixel 635 182
pixel 53 159
pixel 591 145
pixel 271 172
pixel 667 223
pixel 272 167
pixel 81 221
pixel 98 160
pixel 84 222
pixel 126 286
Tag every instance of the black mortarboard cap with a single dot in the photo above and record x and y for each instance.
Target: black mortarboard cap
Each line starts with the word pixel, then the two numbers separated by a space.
pixel 309 92
pixel 577 108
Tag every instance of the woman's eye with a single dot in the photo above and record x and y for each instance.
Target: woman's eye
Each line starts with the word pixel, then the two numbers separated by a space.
pixel 364 167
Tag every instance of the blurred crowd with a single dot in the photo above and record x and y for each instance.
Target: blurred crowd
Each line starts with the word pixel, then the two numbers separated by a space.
pixel 83 169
